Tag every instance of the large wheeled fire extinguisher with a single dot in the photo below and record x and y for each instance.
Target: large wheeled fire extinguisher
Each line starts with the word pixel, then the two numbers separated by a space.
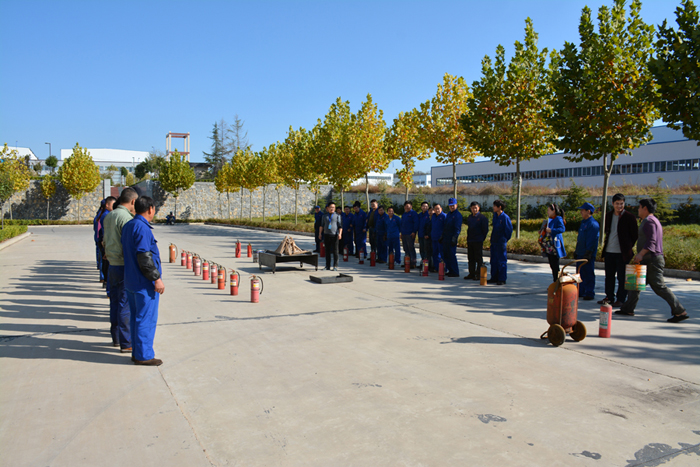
pixel 205 270
pixel 173 253
pixel 235 280
pixel 250 250
pixel 605 320
pixel 189 260
pixel 214 272
pixel 222 278
pixel 238 249
pixel 256 288
pixel 406 263
pixel 197 265
pixel 426 266
pixel 373 258
pixel 345 253
pixel 441 271
pixel 391 260
pixel 183 258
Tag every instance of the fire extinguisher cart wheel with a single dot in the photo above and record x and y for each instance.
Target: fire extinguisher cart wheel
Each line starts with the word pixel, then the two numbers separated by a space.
pixel 556 335
pixel 578 332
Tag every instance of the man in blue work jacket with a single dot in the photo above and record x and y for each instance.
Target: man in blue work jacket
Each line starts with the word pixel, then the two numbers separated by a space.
pixel 587 248
pixel 348 218
pixel 393 234
pixel 450 235
pixel 437 224
pixel 318 216
pixel 98 255
pixel 409 228
pixel 477 228
pixel 423 235
pixel 501 232
pixel 380 223
pixel 142 280
pixel 372 224
pixel 359 224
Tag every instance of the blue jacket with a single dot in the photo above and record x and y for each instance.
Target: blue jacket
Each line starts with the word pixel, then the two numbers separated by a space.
pixel 137 237
pixel 380 223
pixel 423 222
pixel 409 222
pixel 101 226
pixel 317 218
pixel 393 226
pixel 557 226
pixel 587 240
pixel 437 224
pixel 501 229
pixel 359 222
pixel 94 224
pixel 477 227
pixel 453 226
pixel 347 222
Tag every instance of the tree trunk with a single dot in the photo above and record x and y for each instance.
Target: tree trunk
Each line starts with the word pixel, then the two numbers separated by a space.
pixel 342 200
pixel 366 190
pixel 604 207
pixel 240 214
pixel 519 177
pixel 176 208
pixel 454 179
pixel 315 196
pixel 9 200
pixel 78 210
pixel 279 205
pixel 47 209
pixel 406 196
pixel 296 205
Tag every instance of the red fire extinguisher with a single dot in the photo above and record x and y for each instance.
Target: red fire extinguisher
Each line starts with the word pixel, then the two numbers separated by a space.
pixel 605 320
pixel 238 249
pixel 197 263
pixel 250 251
pixel 205 270
pixel 222 278
pixel 173 253
pixel 373 258
pixel 441 271
pixel 362 257
pixel 256 288
pixel 345 253
pixel 189 260
pixel 323 249
pixel 425 268
pixel 235 279
pixel 391 260
pixel 214 273
pixel 183 258
pixel 406 264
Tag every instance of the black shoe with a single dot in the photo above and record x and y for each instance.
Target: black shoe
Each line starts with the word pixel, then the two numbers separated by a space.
pixel 469 277
pixel 588 298
pixel 151 362
pixel 453 274
pixel 678 318
pixel 492 281
pixel 501 283
pixel 624 313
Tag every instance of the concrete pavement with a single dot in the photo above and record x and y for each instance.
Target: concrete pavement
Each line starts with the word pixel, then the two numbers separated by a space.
pixel 391 369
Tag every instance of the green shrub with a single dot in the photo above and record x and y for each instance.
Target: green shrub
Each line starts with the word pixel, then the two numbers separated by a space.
pixel 11 231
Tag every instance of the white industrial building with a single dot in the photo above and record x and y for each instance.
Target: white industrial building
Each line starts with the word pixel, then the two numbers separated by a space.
pixel 669 155
pixel 105 158
pixel 421 180
pixel 374 178
pixel 23 152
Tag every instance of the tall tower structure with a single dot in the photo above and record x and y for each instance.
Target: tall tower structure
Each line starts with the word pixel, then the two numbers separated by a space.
pixel 169 142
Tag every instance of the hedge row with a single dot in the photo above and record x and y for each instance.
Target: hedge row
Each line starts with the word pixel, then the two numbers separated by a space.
pixel 12 231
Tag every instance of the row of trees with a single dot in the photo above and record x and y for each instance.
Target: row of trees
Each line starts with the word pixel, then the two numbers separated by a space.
pixel 595 101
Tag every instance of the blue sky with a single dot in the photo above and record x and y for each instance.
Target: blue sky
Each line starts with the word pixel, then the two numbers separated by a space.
pixel 121 74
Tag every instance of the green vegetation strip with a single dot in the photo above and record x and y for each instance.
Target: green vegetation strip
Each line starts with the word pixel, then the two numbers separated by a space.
pixel 12 231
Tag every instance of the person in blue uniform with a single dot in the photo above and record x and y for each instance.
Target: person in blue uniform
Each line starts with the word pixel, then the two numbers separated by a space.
pixel 359 224
pixel 437 224
pixel 587 248
pixel 409 228
pixel 372 224
pixel 142 280
pixel 318 216
pixel 348 218
pixel 555 229
pixel 501 231
pixel 424 233
pixel 380 223
pixel 450 235
pixel 477 229
pixel 98 254
pixel 393 234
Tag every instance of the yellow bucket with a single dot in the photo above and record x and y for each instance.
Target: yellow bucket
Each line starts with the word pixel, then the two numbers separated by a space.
pixel 635 277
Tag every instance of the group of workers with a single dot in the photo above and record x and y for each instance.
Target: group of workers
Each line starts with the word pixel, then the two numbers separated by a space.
pixel 438 233
pixel 130 268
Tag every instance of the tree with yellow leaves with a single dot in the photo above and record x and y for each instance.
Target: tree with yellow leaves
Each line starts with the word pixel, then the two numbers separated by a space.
pixel 402 142
pixel 366 140
pixel 48 189
pixel 79 174
pixel 176 176
pixel 225 183
pixel 15 172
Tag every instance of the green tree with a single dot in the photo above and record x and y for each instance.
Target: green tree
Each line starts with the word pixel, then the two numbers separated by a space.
pixel 240 163
pixel 440 129
pixel 111 170
pixel 294 165
pixel 176 176
pixel 262 171
pixel 79 174
pixel 366 140
pixel 48 189
pixel 156 159
pixel 225 183
pixel 6 191
pixel 660 194
pixel 142 168
pixel 508 118
pixel 575 196
pixel 51 162
pixel 234 137
pixel 604 91
pixel 217 155
pixel 130 179
pixel 16 169
pixel 402 142
pixel 123 171
pixel 676 69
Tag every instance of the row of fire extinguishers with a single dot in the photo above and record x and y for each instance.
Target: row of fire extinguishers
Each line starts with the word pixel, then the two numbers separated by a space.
pixel 216 273
pixel 483 273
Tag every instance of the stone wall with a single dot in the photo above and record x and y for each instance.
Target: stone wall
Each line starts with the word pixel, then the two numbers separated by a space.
pixel 31 204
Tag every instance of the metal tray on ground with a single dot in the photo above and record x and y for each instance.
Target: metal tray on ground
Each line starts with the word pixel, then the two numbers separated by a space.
pixel 271 259
pixel 331 279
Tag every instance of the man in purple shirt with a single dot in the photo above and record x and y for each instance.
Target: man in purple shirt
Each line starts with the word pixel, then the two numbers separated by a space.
pixel 650 252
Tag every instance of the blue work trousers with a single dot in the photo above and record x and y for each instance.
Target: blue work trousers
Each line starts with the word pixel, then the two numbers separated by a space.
pixel 437 253
pixel 361 242
pixel 98 256
pixel 380 247
pixel 144 317
pixel 119 311
pixel 409 248
pixel 449 256
pixel 587 286
pixel 394 244
pixel 499 262
pixel 347 242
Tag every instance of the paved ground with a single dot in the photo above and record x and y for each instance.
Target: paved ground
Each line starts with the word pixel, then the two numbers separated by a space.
pixel 391 369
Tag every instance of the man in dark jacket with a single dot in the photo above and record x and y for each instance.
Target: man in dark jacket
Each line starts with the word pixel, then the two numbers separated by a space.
pixel 450 234
pixel 477 228
pixel 318 216
pixel 424 234
pixel 620 236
